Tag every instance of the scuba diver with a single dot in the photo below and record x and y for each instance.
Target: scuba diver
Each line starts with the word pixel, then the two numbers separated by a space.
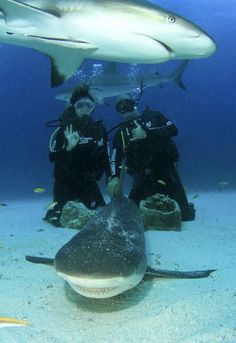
pixel 79 151
pixel 144 141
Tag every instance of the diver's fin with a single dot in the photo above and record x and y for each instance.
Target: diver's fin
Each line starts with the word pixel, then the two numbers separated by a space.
pixel 196 274
pixel 40 260
pixel 111 68
pixel 178 73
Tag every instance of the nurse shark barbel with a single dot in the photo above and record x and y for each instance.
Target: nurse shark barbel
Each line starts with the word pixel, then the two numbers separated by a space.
pixel 133 31
pixel 108 255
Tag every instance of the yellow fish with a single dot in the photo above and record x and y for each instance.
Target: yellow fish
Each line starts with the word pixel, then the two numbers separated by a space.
pixel 195 196
pixel 39 190
pixel 5 321
pixel 51 205
pixel 161 182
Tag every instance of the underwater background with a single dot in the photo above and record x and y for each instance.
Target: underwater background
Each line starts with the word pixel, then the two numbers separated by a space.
pixel 204 113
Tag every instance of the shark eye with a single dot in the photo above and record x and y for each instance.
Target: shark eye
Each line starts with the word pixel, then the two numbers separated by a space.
pixel 171 19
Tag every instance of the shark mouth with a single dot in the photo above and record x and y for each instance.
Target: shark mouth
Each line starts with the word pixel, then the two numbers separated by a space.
pixel 95 292
pixel 102 287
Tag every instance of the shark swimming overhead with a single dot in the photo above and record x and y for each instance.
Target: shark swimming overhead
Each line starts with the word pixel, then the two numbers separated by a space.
pixel 108 255
pixel 68 31
pixel 111 83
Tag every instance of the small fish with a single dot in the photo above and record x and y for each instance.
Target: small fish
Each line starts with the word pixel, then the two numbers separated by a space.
pixel 51 205
pixel 161 182
pixel 39 190
pixel 222 184
pixel 58 211
pixel 195 196
pixel 3 204
pixel 5 321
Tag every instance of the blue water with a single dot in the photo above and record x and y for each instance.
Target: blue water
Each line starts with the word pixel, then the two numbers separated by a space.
pixel 204 113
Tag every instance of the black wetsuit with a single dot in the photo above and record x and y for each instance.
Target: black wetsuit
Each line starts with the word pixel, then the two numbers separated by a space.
pixel 77 171
pixel 151 161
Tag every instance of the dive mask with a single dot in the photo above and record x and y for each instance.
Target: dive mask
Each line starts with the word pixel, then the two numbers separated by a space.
pixel 84 106
pixel 126 105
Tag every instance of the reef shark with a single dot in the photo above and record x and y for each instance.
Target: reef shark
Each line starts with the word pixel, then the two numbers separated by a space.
pixel 108 255
pixel 68 31
pixel 111 83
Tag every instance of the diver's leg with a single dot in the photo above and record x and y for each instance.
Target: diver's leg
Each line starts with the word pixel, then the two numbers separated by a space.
pixel 141 189
pixel 61 194
pixel 177 192
pixel 91 195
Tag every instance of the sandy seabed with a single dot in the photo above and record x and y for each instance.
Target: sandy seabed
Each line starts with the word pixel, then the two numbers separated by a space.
pixel 157 311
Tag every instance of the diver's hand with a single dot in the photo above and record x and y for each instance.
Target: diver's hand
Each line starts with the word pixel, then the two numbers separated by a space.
pixel 113 186
pixel 72 137
pixel 138 132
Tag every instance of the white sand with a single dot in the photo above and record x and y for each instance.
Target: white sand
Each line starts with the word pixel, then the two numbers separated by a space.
pixel 160 311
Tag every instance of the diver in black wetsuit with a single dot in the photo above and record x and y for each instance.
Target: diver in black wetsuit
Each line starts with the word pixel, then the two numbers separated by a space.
pixel 150 154
pixel 79 151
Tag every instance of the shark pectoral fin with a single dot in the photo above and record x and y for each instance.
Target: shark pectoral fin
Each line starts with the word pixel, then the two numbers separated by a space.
pixel 196 274
pixel 63 67
pixel 64 63
pixel 65 96
pixel 19 15
pixel 65 55
pixel 40 260
pixel 96 95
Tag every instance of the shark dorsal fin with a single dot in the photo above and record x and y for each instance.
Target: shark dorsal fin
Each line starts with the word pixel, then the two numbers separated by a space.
pixel 111 68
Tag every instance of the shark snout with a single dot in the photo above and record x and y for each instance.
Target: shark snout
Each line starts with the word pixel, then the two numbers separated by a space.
pixel 198 43
pixel 193 45
pixel 204 45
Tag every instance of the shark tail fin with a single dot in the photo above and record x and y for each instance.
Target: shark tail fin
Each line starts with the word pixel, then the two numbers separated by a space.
pixel 176 76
